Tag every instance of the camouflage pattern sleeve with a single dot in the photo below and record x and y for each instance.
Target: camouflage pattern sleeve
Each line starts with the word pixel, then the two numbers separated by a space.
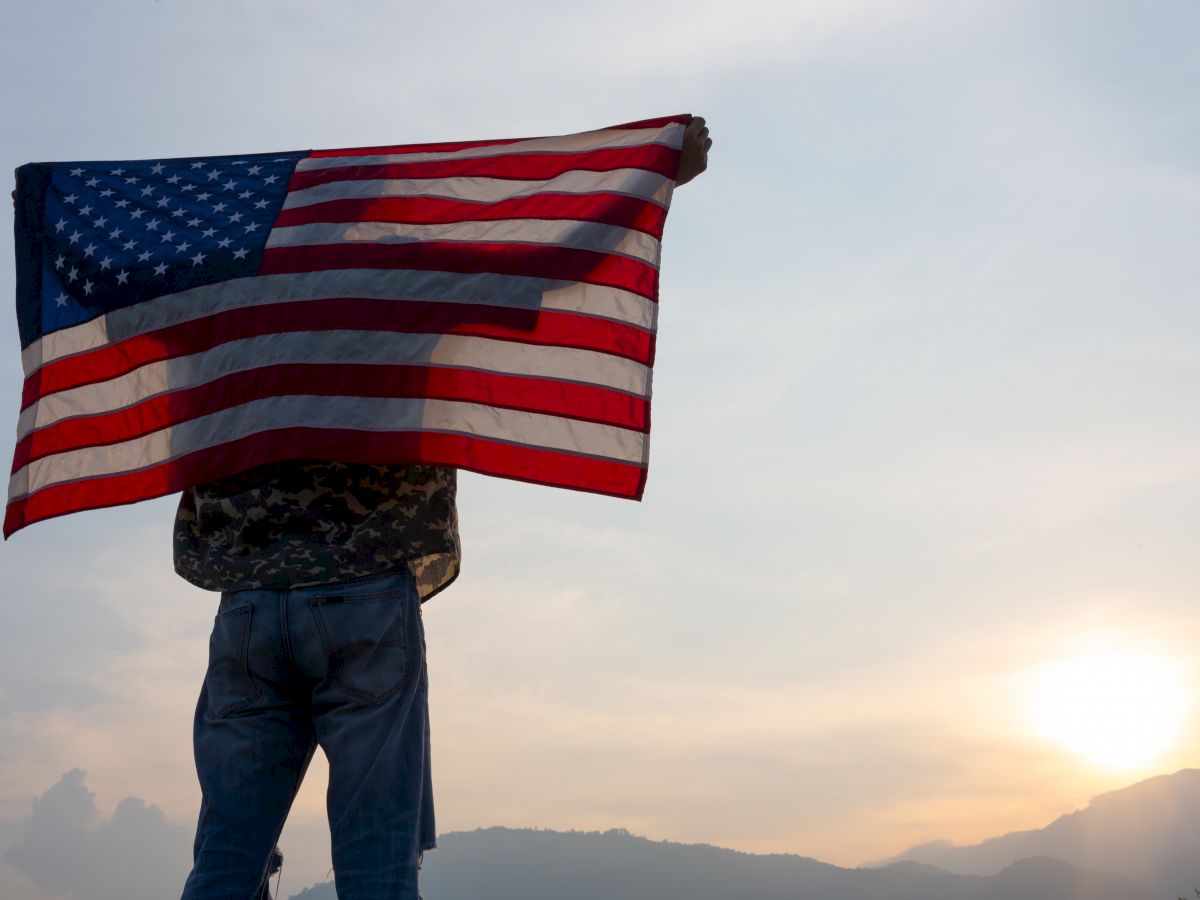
pixel 311 522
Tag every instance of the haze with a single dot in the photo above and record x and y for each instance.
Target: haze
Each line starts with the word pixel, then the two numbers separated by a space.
pixel 925 418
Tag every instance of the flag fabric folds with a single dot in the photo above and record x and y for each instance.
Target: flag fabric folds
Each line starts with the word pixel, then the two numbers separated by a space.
pixel 488 305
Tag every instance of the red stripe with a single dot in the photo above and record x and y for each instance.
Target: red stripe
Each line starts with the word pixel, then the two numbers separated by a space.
pixel 413 148
pixel 538 395
pixel 681 119
pixel 608 209
pixel 662 122
pixel 518 167
pixel 529 326
pixel 536 261
pixel 546 467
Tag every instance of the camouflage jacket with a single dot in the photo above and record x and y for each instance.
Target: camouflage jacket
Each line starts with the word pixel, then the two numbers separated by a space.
pixel 308 522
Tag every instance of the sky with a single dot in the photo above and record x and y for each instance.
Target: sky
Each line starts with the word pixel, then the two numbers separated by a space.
pixel 923 493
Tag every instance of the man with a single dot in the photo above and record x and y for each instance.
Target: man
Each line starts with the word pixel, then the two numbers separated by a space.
pixel 318 639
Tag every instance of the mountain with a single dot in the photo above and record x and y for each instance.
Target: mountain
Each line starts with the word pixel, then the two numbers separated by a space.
pixel 1149 831
pixel 526 864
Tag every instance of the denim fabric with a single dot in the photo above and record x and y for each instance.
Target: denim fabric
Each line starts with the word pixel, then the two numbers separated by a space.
pixel 341 666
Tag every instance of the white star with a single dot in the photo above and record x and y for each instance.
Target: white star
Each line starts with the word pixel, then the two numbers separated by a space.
pixel 164 201
pixel 87 288
pixel 198 164
pixel 240 254
pixel 114 234
pixel 122 203
pixel 137 214
pixel 197 259
pixel 236 217
pixel 253 226
pixel 156 169
pixel 168 237
pixel 117 172
pixel 193 222
pixel 122 277
pixel 220 207
pixel 271 180
pixel 60 225
pixel 282 159
pixel 89 250
pixel 208 232
pixel 147 191
pixel 106 263
pixel 183 247
pixel 254 170
pixel 86 211
pixel 179 211
pixel 100 222
pixel 214 175
pixel 74 239
pixel 73 273
pixel 245 195
pixel 224 242
pixel 60 262
pixel 129 245
pixel 143 256
pixel 152 225
pixel 75 173
pixel 203 196
pixel 70 199
pixel 174 179
pixel 61 299
pixel 230 185
pixel 188 187
pixel 160 269
pixel 132 179
pixel 107 192
pixel 92 182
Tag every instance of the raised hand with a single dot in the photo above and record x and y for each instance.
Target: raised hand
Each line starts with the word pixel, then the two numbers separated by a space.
pixel 696 143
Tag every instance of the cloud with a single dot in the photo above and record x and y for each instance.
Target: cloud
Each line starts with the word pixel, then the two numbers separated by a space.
pixel 68 847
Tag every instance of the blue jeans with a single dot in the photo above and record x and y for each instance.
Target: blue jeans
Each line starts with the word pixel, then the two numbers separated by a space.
pixel 338 665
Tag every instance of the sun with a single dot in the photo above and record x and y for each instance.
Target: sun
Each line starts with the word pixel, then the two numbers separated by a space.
pixel 1118 710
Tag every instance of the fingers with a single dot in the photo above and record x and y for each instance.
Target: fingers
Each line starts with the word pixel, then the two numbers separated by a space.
pixel 694 152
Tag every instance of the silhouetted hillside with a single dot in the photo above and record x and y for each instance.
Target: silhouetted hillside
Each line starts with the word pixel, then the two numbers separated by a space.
pixel 1149 831
pixel 508 864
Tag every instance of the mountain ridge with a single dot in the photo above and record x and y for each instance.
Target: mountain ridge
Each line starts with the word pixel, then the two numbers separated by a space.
pixel 1140 842
pixel 1149 831
pixel 542 864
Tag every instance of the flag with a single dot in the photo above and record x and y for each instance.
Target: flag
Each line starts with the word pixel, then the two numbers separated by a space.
pixel 488 305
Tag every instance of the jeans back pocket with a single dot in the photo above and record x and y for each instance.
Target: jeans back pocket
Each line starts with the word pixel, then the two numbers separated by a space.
pixel 365 641
pixel 228 681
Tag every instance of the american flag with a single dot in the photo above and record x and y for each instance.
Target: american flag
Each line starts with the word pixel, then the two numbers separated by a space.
pixel 488 305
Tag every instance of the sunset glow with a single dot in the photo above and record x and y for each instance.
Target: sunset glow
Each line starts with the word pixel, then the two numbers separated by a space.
pixel 915 566
pixel 1118 710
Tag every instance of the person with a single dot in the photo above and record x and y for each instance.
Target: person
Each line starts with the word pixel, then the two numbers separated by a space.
pixel 318 639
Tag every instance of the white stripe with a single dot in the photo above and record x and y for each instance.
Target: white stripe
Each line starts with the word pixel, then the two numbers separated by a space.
pixel 670 135
pixel 472 189
pixel 558 232
pixel 368 414
pixel 384 284
pixel 364 347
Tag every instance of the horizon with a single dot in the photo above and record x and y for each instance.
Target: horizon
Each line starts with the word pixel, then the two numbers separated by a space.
pixel 914 559
pixel 67 833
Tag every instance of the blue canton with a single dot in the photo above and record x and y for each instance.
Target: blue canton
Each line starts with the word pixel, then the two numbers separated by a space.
pixel 116 234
